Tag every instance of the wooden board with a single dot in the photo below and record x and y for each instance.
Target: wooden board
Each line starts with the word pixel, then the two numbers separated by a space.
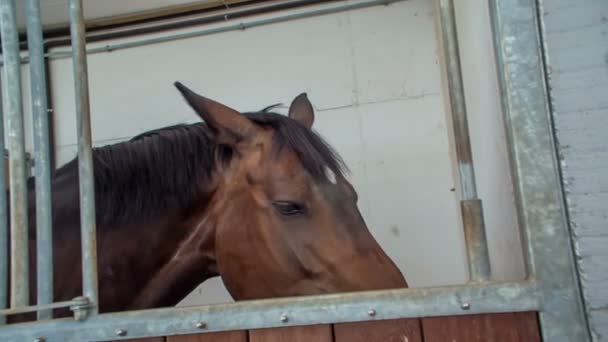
pixel 228 336
pixel 396 330
pixel 507 327
pixel 147 339
pixel 316 333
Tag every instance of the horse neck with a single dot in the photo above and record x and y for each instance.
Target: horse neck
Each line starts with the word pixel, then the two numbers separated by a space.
pixel 145 263
pixel 187 261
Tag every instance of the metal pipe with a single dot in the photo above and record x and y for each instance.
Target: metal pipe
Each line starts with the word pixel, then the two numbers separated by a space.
pixel 537 187
pixel 234 27
pixel 39 308
pixel 44 234
pixel 50 112
pixel 240 26
pixel 184 21
pixel 474 235
pixel 307 310
pixel 85 156
pixel 449 39
pixel 16 146
pixel 3 222
pixel 472 210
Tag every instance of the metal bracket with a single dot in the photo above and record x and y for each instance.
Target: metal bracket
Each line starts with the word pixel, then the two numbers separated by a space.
pixel 81 308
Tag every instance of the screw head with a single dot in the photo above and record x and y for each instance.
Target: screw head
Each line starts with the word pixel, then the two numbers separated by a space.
pixel 284 318
pixel 371 312
pixel 40 339
pixel 201 325
pixel 121 332
pixel 465 306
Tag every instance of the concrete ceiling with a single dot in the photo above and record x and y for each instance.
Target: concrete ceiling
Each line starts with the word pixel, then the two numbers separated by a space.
pixel 55 12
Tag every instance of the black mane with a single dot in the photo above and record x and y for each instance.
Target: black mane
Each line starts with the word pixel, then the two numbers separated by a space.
pixel 163 169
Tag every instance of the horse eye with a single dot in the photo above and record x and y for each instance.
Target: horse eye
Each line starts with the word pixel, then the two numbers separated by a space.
pixel 288 208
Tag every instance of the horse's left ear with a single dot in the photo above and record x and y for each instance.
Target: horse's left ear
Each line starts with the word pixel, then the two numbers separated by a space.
pixel 228 125
pixel 301 110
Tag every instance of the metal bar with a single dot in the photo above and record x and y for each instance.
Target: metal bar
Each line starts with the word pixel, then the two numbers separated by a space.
pixel 16 146
pixel 44 234
pixel 449 39
pixel 85 156
pixel 333 308
pixel 3 223
pixel 472 210
pixel 234 27
pixel 534 169
pixel 475 239
pixel 44 307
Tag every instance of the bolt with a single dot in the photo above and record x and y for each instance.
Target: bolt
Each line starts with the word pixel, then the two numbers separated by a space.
pixel 465 306
pixel 121 332
pixel 284 318
pixel 371 312
pixel 201 325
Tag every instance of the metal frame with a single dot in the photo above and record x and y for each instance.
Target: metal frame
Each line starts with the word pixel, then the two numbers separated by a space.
pixel 550 288
pixel 335 308
pixel 538 192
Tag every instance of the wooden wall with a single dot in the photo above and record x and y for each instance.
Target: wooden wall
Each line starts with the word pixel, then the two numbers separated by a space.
pixel 506 327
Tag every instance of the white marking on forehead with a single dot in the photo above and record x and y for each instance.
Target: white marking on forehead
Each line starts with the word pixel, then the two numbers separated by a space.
pixel 331 176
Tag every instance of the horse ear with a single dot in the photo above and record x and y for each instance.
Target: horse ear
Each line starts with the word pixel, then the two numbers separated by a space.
pixel 301 110
pixel 228 125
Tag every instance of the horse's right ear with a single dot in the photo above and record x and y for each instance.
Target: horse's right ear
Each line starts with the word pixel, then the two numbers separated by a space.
pixel 228 125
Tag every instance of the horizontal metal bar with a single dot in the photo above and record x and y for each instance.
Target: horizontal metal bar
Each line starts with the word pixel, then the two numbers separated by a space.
pixel 63 53
pixel 44 307
pixel 326 309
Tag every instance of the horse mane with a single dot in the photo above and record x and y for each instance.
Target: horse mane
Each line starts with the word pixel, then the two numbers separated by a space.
pixel 164 169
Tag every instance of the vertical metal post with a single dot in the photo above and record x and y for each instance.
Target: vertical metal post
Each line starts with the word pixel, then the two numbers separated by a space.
pixel 44 234
pixel 3 224
pixel 85 155
pixel 11 92
pixel 471 206
pixel 538 193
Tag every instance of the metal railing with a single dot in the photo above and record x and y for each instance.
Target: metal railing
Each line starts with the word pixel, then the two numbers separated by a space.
pixel 550 288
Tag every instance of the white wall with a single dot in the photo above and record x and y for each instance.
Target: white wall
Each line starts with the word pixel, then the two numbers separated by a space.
pixel 577 50
pixel 374 78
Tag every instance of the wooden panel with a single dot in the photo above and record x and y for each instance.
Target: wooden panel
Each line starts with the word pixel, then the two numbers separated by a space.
pixel 227 336
pixel 507 327
pixel 316 333
pixel 395 330
pixel 147 339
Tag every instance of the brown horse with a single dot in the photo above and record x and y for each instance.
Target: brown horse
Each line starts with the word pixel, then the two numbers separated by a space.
pixel 257 198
